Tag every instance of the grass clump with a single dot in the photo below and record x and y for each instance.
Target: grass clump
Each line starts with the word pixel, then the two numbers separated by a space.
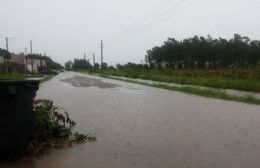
pixel 53 129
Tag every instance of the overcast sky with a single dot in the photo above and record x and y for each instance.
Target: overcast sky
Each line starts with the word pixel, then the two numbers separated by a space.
pixel 65 29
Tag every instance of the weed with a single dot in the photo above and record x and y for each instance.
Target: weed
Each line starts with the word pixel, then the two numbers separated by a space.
pixel 53 128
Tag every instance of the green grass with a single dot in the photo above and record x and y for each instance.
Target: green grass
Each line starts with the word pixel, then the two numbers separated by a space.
pixel 17 76
pixel 47 78
pixel 12 76
pixel 246 80
pixel 211 93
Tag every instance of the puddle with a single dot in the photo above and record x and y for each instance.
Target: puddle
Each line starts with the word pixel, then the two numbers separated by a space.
pixel 79 81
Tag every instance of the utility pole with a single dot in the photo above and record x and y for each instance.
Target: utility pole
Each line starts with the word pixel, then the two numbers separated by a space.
pixel 6 59
pixel 7 48
pixel 44 54
pixel 25 55
pixel 102 47
pixel 31 46
pixel 6 43
pixel 31 53
pixel 85 56
pixel 94 60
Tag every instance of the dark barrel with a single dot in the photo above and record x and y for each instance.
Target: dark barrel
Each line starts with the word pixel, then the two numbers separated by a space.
pixel 16 114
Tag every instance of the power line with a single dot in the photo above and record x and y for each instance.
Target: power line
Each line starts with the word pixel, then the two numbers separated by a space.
pixel 156 9
pixel 181 7
pixel 171 12
pixel 159 12
pixel 160 18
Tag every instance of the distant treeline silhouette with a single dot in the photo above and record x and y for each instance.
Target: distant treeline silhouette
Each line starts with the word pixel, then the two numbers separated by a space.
pixel 4 53
pixel 84 64
pixel 81 64
pixel 205 53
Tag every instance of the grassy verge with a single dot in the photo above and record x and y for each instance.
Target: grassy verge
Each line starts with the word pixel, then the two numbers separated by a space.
pixel 246 80
pixel 47 78
pixel 211 93
pixel 17 76
pixel 12 76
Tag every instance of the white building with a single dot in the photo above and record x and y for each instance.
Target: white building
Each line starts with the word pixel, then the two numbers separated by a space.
pixel 32 65
pixel 18 59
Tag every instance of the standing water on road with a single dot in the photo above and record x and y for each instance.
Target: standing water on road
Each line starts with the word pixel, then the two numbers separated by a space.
pixel 141 127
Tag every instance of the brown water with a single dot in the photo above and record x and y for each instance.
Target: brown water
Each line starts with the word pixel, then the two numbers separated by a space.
pixel 144 127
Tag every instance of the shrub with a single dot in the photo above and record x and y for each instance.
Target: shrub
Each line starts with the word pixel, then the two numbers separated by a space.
pixel 53 128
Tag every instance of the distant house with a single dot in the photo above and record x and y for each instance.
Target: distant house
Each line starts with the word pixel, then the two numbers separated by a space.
pixel 1 60
pixel 32 65
pixel 18 59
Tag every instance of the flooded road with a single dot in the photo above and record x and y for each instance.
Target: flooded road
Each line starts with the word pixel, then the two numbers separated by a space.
pixel 144 127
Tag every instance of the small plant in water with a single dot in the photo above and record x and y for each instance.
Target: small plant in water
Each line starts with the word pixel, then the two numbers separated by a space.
pixel 53 128
pixel 91 137
pixel 77 137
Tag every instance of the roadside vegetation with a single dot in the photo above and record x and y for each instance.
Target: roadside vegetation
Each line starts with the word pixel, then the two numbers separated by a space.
pixel 46 78
pixel 21 76
pixel 12 76
pixel 200 61
pixel 238 79
pixel 205 92
pixel 53 129
pixel 211 93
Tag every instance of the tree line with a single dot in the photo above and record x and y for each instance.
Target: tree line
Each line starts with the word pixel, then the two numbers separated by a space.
pixel 205 53
pixel 83 64
pixel 4 53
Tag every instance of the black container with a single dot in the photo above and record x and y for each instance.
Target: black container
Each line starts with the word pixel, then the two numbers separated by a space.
pixel 16 114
